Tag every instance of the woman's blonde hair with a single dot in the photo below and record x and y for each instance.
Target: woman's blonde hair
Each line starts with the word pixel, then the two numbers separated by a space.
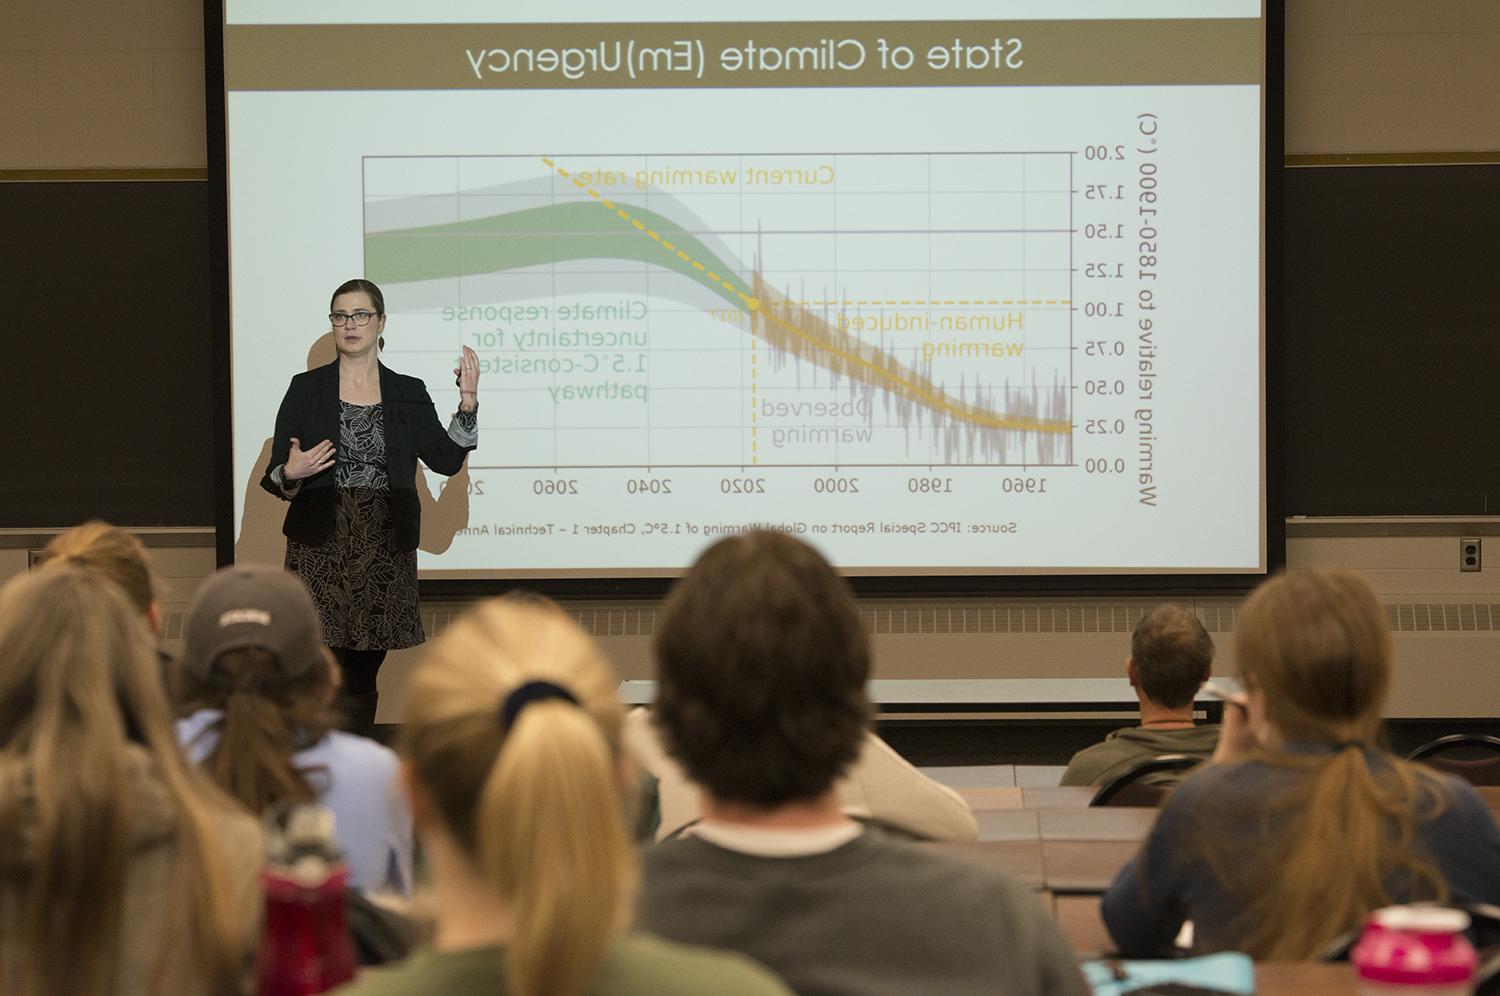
pixel 78 686
pixel 1317 646
pixel 110 552
pixel 536 806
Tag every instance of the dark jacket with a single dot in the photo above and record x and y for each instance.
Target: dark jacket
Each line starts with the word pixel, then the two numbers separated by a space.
pixel 310 411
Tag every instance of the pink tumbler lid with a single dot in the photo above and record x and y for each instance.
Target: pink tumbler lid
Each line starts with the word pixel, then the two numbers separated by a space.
pixel 1414 945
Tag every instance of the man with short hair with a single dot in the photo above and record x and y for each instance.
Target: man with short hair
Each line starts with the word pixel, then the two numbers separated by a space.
pixel 761 672
pixel 1171 656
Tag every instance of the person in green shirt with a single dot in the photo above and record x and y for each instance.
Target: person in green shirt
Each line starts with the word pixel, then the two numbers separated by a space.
pixel 511 758
pixel 1171 656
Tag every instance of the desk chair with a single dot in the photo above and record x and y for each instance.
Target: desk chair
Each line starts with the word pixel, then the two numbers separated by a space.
pixel 1483 769
pixel 1130 790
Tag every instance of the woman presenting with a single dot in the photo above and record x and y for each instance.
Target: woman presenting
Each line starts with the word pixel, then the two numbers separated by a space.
pixel 348 437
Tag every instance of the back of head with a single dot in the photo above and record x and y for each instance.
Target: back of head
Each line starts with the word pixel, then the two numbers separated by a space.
pixel 81 708
pixel 512 731
pixel 110 552
pixel 1317 645
pixel 1173 655
pixel 253 649
pixel 761 665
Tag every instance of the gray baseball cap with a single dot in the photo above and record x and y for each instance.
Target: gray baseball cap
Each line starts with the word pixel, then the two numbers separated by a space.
pixel 253 606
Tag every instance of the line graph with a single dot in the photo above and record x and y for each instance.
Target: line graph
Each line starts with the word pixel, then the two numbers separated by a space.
pixel 846 309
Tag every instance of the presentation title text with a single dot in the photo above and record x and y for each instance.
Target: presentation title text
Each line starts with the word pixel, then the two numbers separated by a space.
pixel 691 58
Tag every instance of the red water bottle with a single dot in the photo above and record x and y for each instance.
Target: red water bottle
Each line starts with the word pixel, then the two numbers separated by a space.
pixel 306 947
pixel 1408 950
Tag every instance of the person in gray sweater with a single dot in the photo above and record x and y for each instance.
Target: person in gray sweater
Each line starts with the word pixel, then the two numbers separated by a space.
pixel 761 669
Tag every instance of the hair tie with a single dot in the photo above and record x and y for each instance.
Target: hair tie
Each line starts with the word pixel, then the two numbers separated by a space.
pixel 229 684
pixel 525 695
pixel 1344 745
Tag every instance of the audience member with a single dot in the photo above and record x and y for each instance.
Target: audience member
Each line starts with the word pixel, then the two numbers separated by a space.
pixel 512 760
pixel 762 664
pixel 111 552
pixel 1302 825
pixel 880 787
pixel 1171 655
pixel 258 684
pixel 122 870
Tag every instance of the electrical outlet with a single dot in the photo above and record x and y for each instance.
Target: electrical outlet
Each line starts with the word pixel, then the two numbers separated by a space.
pixel 1468 555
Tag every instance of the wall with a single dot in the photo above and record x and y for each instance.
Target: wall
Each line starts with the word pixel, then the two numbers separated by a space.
pixel 1382 76
pixel 101 84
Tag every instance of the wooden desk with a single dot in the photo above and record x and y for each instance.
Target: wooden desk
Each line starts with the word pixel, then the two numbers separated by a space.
pixel 1078 919
pixel 981 799
pixel 1097 823
pixel 1009 797
pixel 1021 859
pixel 1067 867
pixel 1007 824
pixel 1109 823
pixel 1301 978
pixel 1084 866
pixel 1058 796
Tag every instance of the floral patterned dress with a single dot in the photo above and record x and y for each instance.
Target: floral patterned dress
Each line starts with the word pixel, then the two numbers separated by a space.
pixel 364 585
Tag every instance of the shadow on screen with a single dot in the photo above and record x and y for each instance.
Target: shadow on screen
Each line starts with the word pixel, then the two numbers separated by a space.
pixel 261 540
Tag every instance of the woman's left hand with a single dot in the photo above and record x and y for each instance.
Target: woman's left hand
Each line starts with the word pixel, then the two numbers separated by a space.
pixel 1237 739
pixel 467 373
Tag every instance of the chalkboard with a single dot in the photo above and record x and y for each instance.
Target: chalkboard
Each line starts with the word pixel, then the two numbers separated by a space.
pixel 105 363
pixel 1392 343
pixel 1391 346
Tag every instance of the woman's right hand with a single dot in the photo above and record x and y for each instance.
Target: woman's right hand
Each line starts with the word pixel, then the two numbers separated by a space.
pixel 302 463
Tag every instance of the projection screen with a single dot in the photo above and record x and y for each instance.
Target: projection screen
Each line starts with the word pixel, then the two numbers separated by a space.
pixel 978 294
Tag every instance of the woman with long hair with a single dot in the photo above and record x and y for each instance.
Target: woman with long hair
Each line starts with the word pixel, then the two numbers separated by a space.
pixel 258 685
pixel 347 440
pixel 122 870
pixel 113 553
pixel 511 751
pixel 1303 825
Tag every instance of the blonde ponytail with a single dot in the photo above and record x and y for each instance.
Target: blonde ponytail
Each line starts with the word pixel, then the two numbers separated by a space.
pixel 537 805
pixel 555 771
pixel 110 552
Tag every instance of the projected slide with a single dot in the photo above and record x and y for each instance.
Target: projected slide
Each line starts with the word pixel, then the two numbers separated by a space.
pixel 718 312
pixel 975 304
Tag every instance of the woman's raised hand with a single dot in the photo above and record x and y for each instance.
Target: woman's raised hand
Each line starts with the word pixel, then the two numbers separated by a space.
pixel 467 373
pixel 302 463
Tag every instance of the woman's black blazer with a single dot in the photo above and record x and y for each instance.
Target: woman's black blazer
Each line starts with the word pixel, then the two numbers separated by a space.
pixel 310 411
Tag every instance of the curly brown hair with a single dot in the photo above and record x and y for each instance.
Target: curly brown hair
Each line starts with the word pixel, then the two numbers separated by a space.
pixel 761 667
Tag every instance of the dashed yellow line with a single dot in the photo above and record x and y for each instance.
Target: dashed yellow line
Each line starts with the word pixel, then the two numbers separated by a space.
pixel 937 401
pixel 921 302
pixel 754 402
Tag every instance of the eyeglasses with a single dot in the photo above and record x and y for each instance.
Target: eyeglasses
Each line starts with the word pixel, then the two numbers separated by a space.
pixel 359 319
